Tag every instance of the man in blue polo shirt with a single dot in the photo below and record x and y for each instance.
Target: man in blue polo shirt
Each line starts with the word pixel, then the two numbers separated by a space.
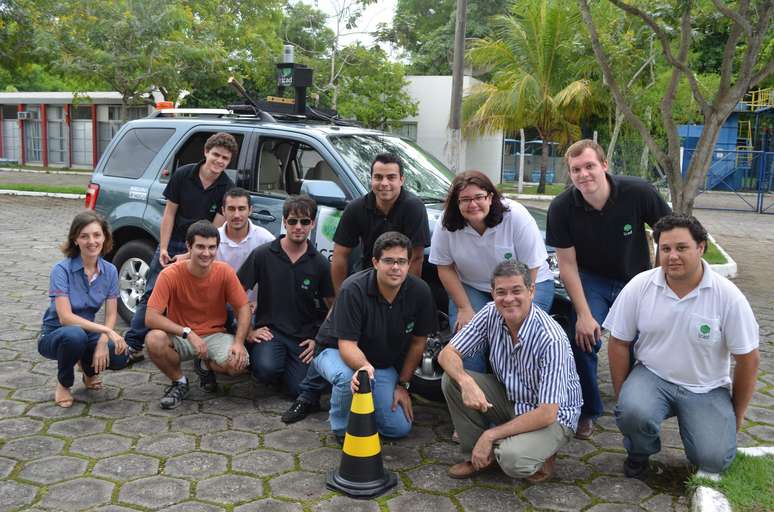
pixel 598 229
pixel 532 397
pixel 194 192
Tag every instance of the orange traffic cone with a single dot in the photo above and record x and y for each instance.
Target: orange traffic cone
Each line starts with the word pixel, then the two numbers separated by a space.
pixel 361 473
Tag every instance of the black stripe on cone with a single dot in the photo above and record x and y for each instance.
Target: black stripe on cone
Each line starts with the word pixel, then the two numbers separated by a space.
pixel 361 476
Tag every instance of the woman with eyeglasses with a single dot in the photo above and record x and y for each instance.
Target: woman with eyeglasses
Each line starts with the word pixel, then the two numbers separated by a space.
pixel 79 286
pixel 478 230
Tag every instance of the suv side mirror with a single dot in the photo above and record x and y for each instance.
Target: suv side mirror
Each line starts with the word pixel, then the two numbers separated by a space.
pixel 326 193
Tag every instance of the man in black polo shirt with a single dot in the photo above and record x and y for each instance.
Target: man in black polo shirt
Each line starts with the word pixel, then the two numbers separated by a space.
pixel 379 324
pixel 387 207
pixel 598 229
pixel 294 293
pixel 194 192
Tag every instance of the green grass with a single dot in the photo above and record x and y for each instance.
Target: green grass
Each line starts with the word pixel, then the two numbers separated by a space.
pixel 53 189
pixel 748 484
pixel 31 167
pixel 712 255
pixel 552 189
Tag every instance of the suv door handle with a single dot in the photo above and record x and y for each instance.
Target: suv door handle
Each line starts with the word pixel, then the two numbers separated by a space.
pixel 263 216
pixel 161 200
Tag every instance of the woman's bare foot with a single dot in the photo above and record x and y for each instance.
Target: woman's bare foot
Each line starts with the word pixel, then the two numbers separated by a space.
pixel 63 397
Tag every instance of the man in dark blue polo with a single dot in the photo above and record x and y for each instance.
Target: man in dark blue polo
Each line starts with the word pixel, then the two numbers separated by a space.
pixel 379 324
pixel 294 293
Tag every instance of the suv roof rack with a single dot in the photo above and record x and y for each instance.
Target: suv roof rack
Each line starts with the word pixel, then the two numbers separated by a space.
pixel 192 112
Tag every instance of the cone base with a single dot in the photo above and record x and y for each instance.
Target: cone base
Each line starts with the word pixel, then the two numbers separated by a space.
pixel 369 489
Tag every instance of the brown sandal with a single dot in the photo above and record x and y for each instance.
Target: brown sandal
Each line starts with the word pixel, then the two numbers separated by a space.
pixel 66 402
pixel 94 382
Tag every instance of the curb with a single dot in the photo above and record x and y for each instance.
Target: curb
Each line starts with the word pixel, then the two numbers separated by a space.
pixel 727 269
pixel 706 499
pixel 41 171
pixel 41 194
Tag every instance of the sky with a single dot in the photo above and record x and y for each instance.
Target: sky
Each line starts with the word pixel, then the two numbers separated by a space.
pixel 379 12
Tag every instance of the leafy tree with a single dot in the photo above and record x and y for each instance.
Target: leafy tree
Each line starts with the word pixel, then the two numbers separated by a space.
pixel 746 62
pixel 535 77
pixel 372 88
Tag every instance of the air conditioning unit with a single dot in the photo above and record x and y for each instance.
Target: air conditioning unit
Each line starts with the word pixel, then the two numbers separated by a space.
pixel 24 116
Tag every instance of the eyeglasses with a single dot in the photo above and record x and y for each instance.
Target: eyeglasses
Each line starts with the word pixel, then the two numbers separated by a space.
pixel 401 262
pixel 464 201
pixel 293 222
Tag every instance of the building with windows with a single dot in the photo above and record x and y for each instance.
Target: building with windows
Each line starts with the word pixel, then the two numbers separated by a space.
pixel 60 129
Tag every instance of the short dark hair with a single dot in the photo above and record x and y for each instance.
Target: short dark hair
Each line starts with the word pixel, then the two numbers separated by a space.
pixel 224 140
pixel 676 220
pixel 390 240
pixel 511 268
pixel 202 228
pixel 579 147
pixel 236 192
pixel 452 217
pixel 299 205
pixel 80 221
pixel 388 158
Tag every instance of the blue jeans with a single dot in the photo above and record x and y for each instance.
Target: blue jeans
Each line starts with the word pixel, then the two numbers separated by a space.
pixel 544 298
pixel 70 344
pixel 600 294
pixel 333 369
pixel 707 420
pixel 278 357
pixel 135 335
pixel 312 386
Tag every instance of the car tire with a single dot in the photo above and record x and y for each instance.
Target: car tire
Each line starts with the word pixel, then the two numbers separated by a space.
pixel 133 261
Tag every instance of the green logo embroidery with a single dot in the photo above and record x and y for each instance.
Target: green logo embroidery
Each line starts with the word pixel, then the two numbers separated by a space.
pixel 705 329
pixel 508 255
pixel 409 327
pixel 627 229
pixel 305 283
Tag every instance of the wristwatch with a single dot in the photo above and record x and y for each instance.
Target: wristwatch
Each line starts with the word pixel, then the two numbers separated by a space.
pixel 405 385
pixel 186 332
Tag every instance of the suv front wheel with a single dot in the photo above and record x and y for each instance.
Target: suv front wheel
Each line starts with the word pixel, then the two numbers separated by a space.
pixel 132 261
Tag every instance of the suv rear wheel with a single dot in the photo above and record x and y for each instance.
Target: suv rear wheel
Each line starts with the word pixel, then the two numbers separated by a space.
pixel 133 261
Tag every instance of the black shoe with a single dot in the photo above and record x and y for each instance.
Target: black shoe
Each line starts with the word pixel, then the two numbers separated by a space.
pixel 135 356
pixel 207 380
pixel 174 395
pixel 635 467
pixel 299 410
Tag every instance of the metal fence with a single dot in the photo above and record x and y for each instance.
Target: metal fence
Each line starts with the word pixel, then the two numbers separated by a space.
pixel 737 180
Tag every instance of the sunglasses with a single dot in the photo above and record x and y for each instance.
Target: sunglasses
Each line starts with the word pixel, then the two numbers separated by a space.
pixel 293 222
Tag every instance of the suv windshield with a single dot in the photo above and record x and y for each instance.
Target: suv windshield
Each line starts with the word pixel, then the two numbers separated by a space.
pixel 424 175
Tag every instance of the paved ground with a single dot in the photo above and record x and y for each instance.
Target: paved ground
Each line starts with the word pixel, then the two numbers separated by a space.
pixel 117 450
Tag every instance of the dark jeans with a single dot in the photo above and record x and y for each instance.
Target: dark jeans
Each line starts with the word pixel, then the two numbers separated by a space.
pixel 600 294
pixel 135 336
pixel 70 344
pixel 278 358
pixel 313 386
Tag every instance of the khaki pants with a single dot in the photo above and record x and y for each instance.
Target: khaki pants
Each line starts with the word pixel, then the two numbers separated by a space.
pixel 519 456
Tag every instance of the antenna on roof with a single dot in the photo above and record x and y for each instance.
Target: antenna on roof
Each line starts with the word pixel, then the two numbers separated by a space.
pixel 262 115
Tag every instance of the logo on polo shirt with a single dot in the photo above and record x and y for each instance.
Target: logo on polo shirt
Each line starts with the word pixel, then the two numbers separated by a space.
pixel 305 283
pixel 704 331
pixel 507 255
pixel 213 208
pixel 409 327
pixel 627 230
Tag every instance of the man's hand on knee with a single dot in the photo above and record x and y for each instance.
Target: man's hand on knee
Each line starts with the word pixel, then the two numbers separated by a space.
pixel 474 397
pixel 237 357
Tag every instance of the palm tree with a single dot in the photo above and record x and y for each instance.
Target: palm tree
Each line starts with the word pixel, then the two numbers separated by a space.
pixel 535 76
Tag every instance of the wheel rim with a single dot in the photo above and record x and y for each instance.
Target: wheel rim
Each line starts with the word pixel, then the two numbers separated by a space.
pixel 131 282
pixel 428 368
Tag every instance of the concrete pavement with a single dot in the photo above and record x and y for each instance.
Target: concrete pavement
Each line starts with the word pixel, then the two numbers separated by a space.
pixel 117 450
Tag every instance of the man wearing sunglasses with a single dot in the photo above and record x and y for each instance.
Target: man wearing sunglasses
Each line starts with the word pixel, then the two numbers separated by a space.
pixel 380 324
pixel 294 294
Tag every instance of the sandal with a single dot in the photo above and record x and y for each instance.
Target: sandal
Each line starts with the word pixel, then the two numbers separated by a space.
pixel 63 402
pixel 94 382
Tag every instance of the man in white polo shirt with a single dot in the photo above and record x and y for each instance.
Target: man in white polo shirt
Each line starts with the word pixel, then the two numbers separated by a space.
pixel 688 321
pixel 238 238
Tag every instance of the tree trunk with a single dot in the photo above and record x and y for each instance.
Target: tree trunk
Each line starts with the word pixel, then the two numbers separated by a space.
pixel 619 118
pixel 521 160
pixel 454 140
pixel 543 167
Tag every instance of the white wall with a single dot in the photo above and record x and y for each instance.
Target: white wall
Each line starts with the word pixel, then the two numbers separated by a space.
pixel 434 96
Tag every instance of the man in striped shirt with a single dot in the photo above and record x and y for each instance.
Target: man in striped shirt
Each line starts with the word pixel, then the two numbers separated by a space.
pixel 527 408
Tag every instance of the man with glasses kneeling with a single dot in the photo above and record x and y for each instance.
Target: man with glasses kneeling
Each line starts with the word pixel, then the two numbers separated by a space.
pixel 523 412
pixel 379 324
